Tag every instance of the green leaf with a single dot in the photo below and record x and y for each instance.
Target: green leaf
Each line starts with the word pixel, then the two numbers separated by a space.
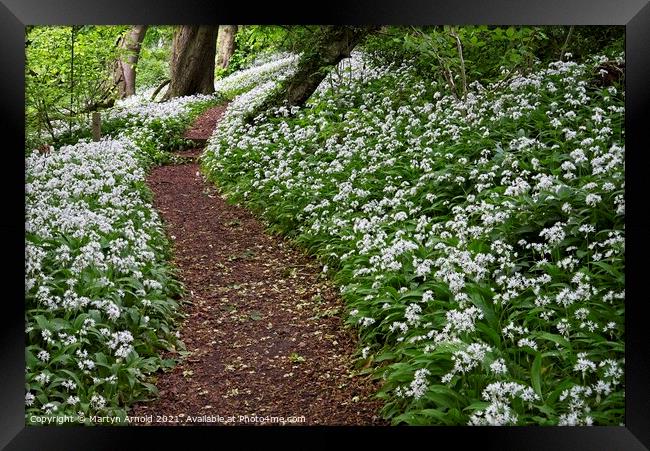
pixel 536 375
pixel 610 270
pixel 477 405
pixel 43 323
pixel 434 413
pixel 555 338
pixel 559 388
pixel 30 359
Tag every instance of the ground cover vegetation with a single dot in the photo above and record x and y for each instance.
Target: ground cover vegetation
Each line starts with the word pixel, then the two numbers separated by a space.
pixel 475 225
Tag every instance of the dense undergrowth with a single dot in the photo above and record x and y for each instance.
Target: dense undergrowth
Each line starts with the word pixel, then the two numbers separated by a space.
pixel 99 291
pixel 155 127
pixel 478 242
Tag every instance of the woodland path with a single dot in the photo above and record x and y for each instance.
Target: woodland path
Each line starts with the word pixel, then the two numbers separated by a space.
pixel 263 329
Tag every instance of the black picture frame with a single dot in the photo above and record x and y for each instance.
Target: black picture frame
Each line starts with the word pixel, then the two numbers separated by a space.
pixel 633 14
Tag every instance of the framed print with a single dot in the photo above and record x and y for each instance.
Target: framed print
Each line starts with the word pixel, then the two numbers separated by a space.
pixel 370 218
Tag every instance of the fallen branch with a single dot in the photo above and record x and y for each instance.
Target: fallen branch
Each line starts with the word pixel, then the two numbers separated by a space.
pixel 462 61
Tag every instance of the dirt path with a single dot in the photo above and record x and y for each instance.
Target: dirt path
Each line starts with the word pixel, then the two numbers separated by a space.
pixel 264 328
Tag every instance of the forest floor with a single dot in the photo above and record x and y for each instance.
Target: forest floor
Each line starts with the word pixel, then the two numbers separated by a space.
pixel 264 330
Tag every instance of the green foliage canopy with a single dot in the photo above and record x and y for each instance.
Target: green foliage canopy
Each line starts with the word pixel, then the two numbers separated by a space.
pixel 59 90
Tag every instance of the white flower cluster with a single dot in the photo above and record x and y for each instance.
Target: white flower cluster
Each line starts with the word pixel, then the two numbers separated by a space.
pixel 499 412
pixel 406 187
pixel 418 386
pixel 59 192
pixel 261 71
pixel 140 109
pixel 90 237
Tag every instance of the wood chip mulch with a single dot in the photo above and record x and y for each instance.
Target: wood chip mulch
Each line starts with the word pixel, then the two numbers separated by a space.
pixel 264 329
pixel 204 125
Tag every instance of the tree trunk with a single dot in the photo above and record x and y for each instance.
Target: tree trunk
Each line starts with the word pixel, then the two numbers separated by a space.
pixel 192 61
pixel 332 44
pixel 225 44
pixel 124 73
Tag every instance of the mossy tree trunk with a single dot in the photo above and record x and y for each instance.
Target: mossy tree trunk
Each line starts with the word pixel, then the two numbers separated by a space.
pixel 192 61
pixel 332 44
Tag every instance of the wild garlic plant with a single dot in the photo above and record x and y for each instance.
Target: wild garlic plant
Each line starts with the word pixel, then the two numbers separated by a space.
pixel 98 289
pixel 261 71
pixel 479 243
